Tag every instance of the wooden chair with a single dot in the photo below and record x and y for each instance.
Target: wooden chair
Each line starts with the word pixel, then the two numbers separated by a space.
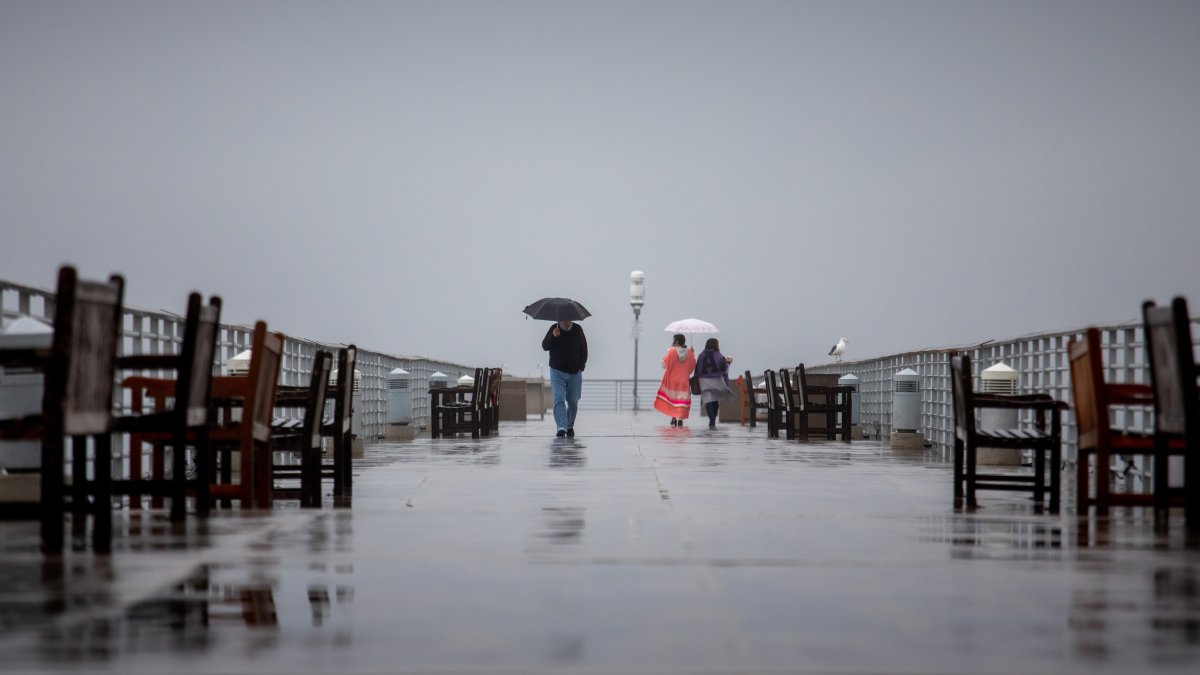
pixel 1096 437
pixel 179 423
pixel 250 434
pixel 774 404
pixel 1173 375
pixel 493 415
pixel 827 400
pixel 341 427
pixel 305 440
pixel 749 399
pixel 77 401
pixel 791 406
pixel 1046 443
pixel 463 415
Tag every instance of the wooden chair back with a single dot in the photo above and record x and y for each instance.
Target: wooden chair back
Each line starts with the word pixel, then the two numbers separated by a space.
pixel 310 443
pixel 964 394
pixel 79 377
pixel 1088 389
pixel 802 389
pixel 1176 400
pixel 198 348
pixel 342 424
pixel 774 410
pixel 1172 368
pixel 790 404
pixel 343 407
pixel 493 418
pixel 265 362
pixel 314 407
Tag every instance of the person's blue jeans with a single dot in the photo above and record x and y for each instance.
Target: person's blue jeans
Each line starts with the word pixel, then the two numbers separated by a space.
pixel 565 388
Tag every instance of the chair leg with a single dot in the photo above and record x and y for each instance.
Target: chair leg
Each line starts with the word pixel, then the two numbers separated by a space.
pixel 79 482
pixel 263 478
pixel 969 470
pixel 958 468
pixel 1055 477
pixel 203 474
pixel 1082 490
pixel 102 507
pixel 1162 497
pixel 1103 480
pixel 179 478
pixel 1039 475
pixel 52 493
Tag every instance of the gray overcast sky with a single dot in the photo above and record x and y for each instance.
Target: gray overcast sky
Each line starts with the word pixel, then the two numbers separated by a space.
pixel 409 175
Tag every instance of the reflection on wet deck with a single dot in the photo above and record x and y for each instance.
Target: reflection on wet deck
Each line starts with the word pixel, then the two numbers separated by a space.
pixel 635 547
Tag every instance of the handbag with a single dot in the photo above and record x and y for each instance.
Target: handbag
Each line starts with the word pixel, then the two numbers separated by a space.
pixel 694 381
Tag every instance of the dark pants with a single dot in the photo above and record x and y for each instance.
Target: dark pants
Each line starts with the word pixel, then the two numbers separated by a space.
pixel 711 408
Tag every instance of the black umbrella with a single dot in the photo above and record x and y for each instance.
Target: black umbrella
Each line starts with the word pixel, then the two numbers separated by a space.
pixel 557 309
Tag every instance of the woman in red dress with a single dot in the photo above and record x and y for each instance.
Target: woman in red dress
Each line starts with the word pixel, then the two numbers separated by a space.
pixel 674 397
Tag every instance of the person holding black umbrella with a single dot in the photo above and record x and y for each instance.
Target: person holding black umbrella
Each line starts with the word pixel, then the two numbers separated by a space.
pixel 568 356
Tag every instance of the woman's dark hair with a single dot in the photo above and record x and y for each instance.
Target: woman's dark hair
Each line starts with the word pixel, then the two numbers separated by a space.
pixel 679 340
pixel 712 344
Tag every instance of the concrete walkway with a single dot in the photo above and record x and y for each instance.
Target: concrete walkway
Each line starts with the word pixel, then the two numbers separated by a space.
pixel 634 548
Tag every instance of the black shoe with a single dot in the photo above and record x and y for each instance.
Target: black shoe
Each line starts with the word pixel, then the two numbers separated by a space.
pixel 561 433
pixel 570 432
pixel 712 425
pixel 674 421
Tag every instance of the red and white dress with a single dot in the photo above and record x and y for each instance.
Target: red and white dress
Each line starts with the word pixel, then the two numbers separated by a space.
pixel 674 397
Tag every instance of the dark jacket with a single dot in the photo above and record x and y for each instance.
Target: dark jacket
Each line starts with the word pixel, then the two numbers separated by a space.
pixel 568 351
pixel 711 363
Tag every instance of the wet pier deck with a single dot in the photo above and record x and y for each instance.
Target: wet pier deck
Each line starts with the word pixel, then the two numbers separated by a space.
pixel 634 548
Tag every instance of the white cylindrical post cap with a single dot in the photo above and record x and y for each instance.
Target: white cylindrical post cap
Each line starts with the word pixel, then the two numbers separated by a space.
pixel 908 375
pixel 27 333
pixel 1000 371
pixel 240 364
pixel 397 374
pixel 848 379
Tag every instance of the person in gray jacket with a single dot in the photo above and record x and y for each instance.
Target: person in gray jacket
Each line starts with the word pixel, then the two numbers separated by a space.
pixel 712 368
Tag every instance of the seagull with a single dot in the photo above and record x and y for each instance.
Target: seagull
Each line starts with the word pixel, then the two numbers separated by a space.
pixel 840 348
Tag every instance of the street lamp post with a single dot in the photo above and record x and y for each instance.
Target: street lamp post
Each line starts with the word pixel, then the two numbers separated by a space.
pixel 637 298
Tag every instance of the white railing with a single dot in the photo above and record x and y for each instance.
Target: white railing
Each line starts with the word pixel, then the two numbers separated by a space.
pixel 146 332
pixel 1040 360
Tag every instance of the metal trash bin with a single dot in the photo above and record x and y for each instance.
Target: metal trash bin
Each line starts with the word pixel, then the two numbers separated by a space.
pixel 21 390
pixel 906 401
pixel 400 402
